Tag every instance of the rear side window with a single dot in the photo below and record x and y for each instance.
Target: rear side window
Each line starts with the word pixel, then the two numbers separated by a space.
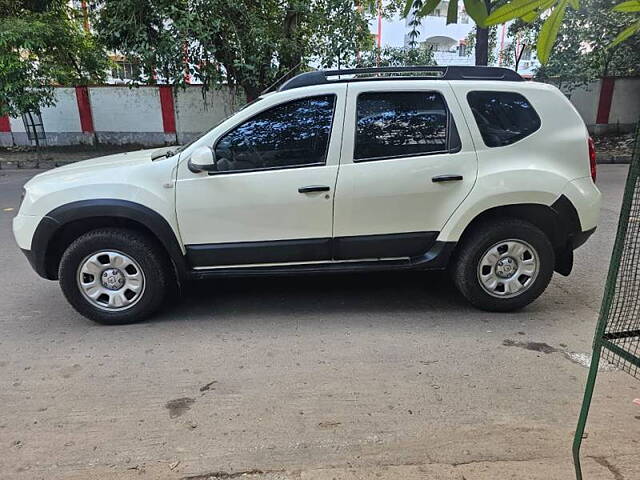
pixel 503 117
pixel 397 124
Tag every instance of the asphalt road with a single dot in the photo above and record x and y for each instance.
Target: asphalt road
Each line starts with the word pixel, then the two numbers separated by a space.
pixel 358 376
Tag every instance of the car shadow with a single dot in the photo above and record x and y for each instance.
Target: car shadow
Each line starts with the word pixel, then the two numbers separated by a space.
pixel 325 294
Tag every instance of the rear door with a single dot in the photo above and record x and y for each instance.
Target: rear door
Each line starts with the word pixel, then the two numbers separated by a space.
pixel 407 163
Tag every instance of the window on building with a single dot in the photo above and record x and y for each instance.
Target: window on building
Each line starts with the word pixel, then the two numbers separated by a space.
pixel 125 70
pixel 399 124
pixel 503 117
pixel 293 134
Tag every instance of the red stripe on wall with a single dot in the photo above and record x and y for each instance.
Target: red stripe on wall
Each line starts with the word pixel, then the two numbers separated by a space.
pixel 604 104
pixel 84 109
pixel 168 111
pixel 5 126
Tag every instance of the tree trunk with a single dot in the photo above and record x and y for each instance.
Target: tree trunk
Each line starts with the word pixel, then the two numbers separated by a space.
pixel 482 41
pixel 482 46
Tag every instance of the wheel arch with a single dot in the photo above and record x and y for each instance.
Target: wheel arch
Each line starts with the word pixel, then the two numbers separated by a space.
pixel 559 222
pixel 64 224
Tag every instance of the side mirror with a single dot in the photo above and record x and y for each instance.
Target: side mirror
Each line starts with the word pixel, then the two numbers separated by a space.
pixel 203 159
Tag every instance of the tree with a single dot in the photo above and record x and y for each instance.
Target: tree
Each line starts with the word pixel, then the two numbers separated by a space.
pixel 584 49
pixel 478 10
pixel 531 10
pixel 520 38
pixel 242 43
pixel 43 44
pixel 630 6
pixel 488 45
pixel 395 57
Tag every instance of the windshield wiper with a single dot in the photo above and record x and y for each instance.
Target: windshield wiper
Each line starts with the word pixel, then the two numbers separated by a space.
pixel 167 154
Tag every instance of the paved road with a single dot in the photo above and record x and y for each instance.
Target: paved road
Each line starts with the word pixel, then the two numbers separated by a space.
pixel 359 376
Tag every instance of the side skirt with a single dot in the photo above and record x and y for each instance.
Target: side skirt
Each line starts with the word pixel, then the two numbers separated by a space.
pixel 437 258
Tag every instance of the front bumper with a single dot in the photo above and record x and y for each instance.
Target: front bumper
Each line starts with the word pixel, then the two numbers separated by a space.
pixel 32 262
pixel 32 234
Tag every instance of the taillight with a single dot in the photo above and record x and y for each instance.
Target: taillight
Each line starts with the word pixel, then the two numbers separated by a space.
pixel 592 158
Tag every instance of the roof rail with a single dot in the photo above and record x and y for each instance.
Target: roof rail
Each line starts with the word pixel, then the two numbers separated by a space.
pixel 320 77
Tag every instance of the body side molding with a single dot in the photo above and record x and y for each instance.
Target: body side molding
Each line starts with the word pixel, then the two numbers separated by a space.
pixel 412 244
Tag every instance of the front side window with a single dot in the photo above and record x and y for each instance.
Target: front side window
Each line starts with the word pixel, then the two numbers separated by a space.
pixel 503 117
pixel 396 124
pixel 293 134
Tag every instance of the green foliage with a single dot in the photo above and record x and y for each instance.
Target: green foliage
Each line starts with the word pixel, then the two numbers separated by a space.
pixel 530 10
pixel 476 9
pixel 415 20
pixel 626 33
pixel 549 31
pixel 42 44
pixel 470 42
pixel 241 42
pixel 583 50
pixel 396 57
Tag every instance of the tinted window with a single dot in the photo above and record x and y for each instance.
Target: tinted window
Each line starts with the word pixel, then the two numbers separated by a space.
pixel 503 117
pixel 392 124
pixel 292 134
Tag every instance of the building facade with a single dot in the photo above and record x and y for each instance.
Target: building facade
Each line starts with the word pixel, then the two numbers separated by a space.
pixel 450 43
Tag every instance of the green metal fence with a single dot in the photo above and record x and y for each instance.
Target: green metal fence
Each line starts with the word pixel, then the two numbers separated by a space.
pixel 617 338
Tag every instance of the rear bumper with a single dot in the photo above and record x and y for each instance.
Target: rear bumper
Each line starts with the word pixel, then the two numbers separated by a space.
pixel 585 196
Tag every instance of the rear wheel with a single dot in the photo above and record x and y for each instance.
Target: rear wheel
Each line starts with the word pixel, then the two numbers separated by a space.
pixel 503 265
pixel 114 276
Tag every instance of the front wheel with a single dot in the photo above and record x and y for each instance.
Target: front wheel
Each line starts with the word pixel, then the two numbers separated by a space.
pixel 503 265
pixel 114 276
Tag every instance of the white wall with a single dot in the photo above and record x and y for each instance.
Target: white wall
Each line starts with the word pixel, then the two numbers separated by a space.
pixel 61 122
pixel 124 115
pixel 196 114
pixel 586 99
pixel 625 105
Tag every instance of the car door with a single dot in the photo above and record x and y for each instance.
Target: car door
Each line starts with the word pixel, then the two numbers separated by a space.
pixel 271 198
pixel 407 163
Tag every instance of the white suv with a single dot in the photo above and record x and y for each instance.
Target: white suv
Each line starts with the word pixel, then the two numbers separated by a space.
pixel 466 168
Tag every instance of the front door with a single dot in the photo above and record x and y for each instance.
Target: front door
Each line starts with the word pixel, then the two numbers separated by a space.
pixel 407 163
pixel 271 198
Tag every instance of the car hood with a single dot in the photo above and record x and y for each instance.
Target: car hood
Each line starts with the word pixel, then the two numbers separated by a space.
pixel 116 160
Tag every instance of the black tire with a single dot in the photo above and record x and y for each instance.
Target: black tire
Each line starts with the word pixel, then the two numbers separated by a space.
pixel 478 241
pixel 139 247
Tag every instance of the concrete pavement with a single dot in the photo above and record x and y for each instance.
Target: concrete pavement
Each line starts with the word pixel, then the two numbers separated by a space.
pixel 389 376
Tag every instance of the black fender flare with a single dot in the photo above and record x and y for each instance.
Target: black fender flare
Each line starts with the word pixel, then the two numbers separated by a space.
pixel 104 207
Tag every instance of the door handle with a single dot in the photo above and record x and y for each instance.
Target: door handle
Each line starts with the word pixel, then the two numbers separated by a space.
pixel 314 188
pixel 446 178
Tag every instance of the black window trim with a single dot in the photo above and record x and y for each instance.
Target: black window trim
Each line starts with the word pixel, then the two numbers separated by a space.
pixel 448 148
pixel 282 167
pixel 502 90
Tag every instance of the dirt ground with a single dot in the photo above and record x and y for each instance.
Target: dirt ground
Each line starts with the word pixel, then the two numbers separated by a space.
pixel 347 377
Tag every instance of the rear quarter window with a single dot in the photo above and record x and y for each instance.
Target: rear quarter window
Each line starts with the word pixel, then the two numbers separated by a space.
pixel 503 117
